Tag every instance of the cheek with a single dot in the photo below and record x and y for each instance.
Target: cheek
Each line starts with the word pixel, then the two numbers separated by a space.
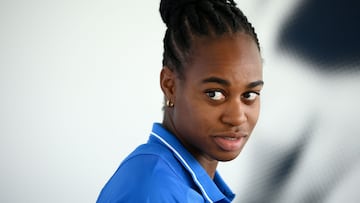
pixel 194 114
pixel 191 111
pixel 253 114
pixel 187 104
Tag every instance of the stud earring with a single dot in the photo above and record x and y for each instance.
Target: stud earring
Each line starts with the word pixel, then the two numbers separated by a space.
pixel 169 104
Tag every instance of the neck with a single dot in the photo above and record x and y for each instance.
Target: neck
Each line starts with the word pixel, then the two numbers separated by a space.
pixel 207 163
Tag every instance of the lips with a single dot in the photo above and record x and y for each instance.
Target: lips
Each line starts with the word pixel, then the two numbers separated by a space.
pixel 230 142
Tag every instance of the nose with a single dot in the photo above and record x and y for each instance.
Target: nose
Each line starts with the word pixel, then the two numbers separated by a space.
pixel 234 113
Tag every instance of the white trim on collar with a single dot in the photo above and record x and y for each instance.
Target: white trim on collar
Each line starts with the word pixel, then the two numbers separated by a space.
pixel 185 164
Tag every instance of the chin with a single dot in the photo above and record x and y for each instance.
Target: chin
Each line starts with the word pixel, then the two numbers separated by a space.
pixel 228 157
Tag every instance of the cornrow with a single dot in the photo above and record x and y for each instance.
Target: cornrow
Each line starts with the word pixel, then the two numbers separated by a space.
pixel 187 19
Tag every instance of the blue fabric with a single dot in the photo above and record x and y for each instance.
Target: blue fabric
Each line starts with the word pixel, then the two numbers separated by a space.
pixel 162 170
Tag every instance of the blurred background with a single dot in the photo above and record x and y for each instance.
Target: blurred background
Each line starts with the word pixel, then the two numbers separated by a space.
pixel 79 90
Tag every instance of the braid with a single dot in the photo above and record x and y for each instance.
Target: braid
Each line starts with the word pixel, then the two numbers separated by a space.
pixel 187 19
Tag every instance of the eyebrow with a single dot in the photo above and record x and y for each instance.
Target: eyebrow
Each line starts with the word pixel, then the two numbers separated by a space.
pixel 255 84
pixel 227 83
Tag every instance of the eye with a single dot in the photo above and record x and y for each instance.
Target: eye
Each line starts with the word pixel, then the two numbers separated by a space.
pixel 215 95
pixel 250 96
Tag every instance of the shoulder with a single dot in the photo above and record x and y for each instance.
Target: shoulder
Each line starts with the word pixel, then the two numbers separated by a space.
pixel 150 174
pixel 148 161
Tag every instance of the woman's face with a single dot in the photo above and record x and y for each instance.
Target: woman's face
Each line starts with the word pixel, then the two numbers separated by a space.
pixel 216 104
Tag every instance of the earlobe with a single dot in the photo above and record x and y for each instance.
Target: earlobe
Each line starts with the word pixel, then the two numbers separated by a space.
pixel 167 83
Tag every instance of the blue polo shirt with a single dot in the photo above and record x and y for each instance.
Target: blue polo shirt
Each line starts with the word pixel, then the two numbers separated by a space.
pixel 162 170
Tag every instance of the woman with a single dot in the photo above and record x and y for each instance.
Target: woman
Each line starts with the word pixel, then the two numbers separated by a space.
pixel 211 80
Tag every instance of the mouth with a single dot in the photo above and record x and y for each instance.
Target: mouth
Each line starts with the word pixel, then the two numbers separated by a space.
pixel 230 138
pixel 230 142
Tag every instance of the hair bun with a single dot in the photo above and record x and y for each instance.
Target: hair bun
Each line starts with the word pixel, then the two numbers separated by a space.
pixel 170 8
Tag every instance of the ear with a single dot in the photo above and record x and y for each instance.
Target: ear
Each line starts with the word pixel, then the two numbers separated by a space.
pixel 167 83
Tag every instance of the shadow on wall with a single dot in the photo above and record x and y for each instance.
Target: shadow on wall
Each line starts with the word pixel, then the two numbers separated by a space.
pixel 325 33
pixel 319 161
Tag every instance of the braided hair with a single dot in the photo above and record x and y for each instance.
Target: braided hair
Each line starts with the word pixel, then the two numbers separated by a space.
pixel 188 19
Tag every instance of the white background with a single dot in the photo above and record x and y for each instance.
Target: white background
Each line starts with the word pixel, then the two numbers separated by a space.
pixel 79 89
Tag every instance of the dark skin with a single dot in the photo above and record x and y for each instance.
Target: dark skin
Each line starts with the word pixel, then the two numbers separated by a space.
pixel 216 102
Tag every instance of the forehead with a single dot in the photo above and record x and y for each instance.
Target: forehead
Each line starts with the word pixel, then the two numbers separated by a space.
pixel 230 56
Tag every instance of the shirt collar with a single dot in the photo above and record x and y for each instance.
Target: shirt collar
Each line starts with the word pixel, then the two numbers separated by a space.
pixel 212 190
